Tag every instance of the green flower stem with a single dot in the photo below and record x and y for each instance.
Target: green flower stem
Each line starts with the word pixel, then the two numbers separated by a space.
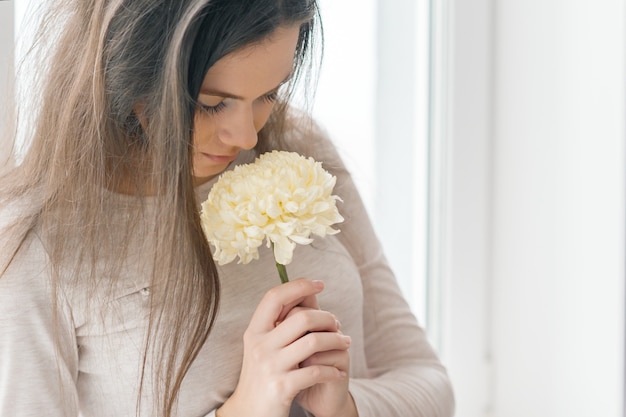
pixel 282 272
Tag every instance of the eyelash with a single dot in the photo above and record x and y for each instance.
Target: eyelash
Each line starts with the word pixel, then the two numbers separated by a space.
pixel 270 98
pixel 212 109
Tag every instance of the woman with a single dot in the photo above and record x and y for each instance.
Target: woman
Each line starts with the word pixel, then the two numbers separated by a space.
pixel 110 303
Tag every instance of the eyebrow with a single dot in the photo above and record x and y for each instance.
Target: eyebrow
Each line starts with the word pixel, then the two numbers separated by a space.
pixel 224 94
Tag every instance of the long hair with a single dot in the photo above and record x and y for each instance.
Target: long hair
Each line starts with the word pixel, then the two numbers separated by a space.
pixel 109 58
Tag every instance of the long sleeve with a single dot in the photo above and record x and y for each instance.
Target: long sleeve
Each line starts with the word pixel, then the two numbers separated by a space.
pixel 408 379
pixel 405 377
pixel 38 354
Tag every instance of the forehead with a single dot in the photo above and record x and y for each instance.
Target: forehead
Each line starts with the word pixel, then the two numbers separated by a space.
pixel 256 68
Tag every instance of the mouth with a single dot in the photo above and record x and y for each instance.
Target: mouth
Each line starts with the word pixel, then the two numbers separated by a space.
pixel 220 159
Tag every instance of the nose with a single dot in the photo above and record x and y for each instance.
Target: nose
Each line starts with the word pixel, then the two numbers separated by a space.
pixel 240 131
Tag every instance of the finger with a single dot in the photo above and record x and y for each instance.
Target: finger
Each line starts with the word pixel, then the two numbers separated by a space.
pixel 339 359
pixel 297 309
pixel 304 378
pixel 275 303
pixel 313 343
pixel 302 322
pixel 309 301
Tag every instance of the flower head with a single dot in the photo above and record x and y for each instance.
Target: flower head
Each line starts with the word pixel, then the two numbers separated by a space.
pixel 282 198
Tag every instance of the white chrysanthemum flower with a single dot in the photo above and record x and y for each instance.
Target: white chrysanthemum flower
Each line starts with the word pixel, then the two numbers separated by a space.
pixel 282 198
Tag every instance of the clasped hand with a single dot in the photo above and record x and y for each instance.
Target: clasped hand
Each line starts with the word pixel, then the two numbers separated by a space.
pixel 292 351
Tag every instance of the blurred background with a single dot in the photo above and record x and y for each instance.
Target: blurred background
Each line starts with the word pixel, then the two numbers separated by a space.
pixel 487 139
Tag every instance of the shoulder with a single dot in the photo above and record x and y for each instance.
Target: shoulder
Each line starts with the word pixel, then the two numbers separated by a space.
pixel 25 280
pixel 18 218
pixel 25 262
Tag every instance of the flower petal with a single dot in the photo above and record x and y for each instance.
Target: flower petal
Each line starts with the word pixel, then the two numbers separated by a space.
pixel 282 198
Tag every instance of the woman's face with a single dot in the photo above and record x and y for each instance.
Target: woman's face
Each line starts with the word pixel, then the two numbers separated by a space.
pixel 236 99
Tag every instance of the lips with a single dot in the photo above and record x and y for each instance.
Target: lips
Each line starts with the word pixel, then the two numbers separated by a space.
pixel 219 158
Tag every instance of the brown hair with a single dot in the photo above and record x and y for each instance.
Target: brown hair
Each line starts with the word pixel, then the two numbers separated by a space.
pixel 109 57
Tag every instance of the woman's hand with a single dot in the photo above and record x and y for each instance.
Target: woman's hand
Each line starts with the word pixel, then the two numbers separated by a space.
pixel 329 399
pixel 285 354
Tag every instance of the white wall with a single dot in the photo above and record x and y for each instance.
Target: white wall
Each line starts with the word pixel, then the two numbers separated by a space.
pixel 6 68
pixel 6 40
pixel 558 204
pixel 400 161
pixel 460 215
pixel 6 45
pixel 533 235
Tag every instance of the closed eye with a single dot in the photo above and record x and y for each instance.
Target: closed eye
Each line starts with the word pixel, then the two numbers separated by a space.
pixel 270 97
pixel 212 109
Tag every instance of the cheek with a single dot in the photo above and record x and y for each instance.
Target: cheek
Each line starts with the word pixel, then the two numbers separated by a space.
pixel 203 128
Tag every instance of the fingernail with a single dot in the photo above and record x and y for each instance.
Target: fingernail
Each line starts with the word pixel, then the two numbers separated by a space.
pixel 338 324
pixel 347 339
pixel 318 284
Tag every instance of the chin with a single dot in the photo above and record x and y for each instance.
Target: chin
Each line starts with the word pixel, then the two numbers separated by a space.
pixel 204 175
